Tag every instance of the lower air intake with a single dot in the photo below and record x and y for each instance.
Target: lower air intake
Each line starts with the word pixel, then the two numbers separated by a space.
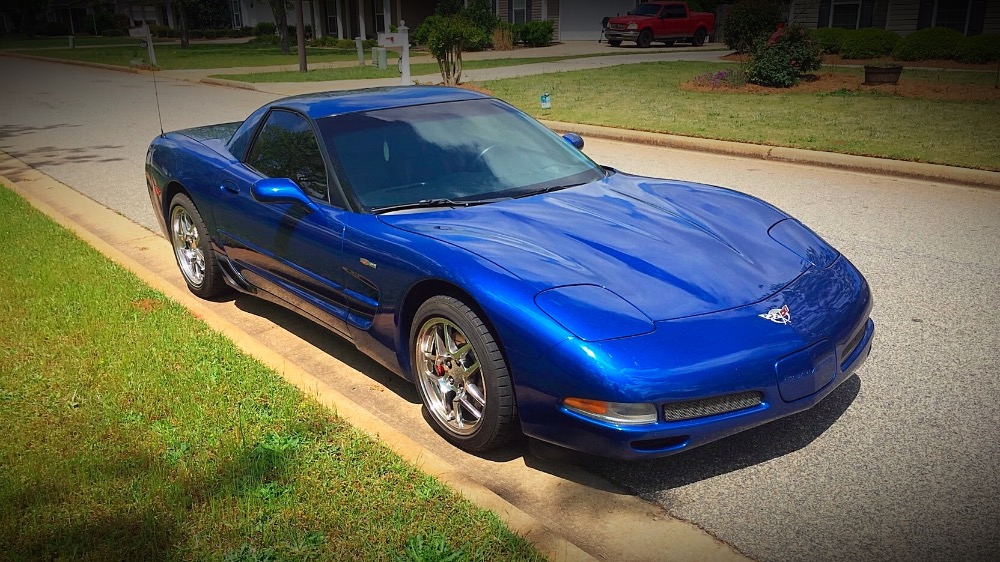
pixel 677 411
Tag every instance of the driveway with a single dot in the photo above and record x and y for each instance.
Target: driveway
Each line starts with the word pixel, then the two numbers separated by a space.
pixel 898 464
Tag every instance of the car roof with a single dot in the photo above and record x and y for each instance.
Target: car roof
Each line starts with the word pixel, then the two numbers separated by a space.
pixel 327 104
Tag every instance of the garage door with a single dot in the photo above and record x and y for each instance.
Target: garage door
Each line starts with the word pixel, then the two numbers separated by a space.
pixel 581 19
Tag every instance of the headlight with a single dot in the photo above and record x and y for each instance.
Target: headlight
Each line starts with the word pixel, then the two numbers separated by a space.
pixel 618 413
pixel 633 25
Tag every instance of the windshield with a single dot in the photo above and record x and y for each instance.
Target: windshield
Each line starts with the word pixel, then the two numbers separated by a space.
pixel 646 10
pixel 464 151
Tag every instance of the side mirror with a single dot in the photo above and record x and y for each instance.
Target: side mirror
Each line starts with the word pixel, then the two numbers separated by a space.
pixel 280 190
pixel 574 139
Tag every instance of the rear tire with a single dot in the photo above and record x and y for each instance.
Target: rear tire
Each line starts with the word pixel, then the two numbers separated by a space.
pixel 461 375
pixel 645 39
pixel 193 249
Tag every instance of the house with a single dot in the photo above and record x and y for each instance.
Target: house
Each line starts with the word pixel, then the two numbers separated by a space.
pixel 971 17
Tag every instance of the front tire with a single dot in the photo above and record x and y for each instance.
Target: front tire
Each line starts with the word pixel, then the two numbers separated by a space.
pixel 615 42
pixel 645 39
pixel 193 249
pixel 461 375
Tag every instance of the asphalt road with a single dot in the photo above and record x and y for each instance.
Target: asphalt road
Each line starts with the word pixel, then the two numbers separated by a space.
pixel 899 464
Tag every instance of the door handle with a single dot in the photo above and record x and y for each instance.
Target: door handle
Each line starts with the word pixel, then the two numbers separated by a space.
pixel 229 186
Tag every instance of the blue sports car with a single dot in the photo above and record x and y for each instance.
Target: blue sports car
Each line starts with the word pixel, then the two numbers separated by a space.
pixel 522 287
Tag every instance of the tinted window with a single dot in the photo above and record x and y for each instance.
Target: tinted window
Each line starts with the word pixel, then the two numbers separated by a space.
pixel 674 12
pixel 464 150
pixel 286 148
pixel 646 10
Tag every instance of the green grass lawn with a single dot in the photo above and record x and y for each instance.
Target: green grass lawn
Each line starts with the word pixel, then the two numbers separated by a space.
pixel 648 97
pixel 131 431
pixel 173 57
pixel 20 42
pixel 361 72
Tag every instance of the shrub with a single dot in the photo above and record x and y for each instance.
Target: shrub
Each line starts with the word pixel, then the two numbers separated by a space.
pixel 930 43
pixel 829 38
pixel 868 43
pixel 751 21
pixel 979 49
pixel 265 28
pixel 112 33
pixel 54 28
pixel 781 62
pixel 503 36
pixel 159 30
pixel 536 33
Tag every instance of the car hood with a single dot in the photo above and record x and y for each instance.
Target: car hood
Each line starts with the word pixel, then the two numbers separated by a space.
pixel 672 249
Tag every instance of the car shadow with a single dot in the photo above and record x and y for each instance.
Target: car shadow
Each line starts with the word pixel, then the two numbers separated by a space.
pixel 329 343
pixel 745 449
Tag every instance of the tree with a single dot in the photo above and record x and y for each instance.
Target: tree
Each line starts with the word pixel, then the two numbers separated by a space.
pixel 445 37
pixel 280 10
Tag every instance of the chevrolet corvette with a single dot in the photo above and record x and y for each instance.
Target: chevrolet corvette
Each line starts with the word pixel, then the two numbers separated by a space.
pixel 523 288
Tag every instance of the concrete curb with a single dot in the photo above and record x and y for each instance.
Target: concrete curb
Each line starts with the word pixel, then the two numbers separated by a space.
pixel 229 83
pixel 73 62
pixel 77 213
pixel 918 170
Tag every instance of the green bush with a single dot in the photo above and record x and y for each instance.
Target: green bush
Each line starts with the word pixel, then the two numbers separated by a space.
pixel 534 33
pixel 930 43
pixel 445 37
pixel 751 21
pixel 112 33
pixel 331 41
pixel 829 38
pixel 480 14
pixel 868 43
pixel 781 62
pixel 266 40
pixel 979 49
pixel 265 28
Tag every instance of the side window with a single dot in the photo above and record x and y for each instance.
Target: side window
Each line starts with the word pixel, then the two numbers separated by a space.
pixel 674 12
pixel 286 148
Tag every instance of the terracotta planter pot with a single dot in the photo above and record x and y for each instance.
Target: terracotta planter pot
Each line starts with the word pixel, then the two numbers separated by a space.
pixel 878 75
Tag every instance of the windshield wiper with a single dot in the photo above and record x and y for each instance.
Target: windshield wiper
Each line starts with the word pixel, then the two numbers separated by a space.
pixel 549 189
pixel 440 202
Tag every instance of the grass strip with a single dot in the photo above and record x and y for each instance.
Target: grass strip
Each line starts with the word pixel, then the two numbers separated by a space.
pixel 648 97
pixel 173 57
pixel 134 432
pixel 420 69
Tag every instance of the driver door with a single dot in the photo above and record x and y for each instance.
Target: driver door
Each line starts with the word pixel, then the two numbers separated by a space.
pixel 287 249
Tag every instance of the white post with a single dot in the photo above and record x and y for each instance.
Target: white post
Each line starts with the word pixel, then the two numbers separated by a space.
pixel 340 22
pixel 404 33
pixel 361 21
pixel 361 51
pixel 386 15
pixel 149 44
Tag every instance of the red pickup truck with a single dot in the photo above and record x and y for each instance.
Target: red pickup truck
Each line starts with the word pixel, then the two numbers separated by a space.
pixel 666 22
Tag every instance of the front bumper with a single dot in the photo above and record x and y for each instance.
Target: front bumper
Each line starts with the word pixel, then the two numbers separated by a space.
pixel 731 353
pixel 621 35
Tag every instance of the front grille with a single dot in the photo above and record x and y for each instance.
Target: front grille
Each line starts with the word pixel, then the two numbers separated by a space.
pixel 617 26
pixel 691 409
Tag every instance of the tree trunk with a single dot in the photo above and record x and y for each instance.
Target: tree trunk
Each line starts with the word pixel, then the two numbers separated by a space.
pixel 184 26
pixel 278 8
pixel 300 35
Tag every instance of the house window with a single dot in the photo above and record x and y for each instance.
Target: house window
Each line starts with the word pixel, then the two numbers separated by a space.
pixel 954 14
pixel 845 14
pixel 378 8
pixel 520 9
pixel 237 14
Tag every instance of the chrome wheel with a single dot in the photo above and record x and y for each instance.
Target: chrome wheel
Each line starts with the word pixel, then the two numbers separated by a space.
pixel 450 376
pixel 187 246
